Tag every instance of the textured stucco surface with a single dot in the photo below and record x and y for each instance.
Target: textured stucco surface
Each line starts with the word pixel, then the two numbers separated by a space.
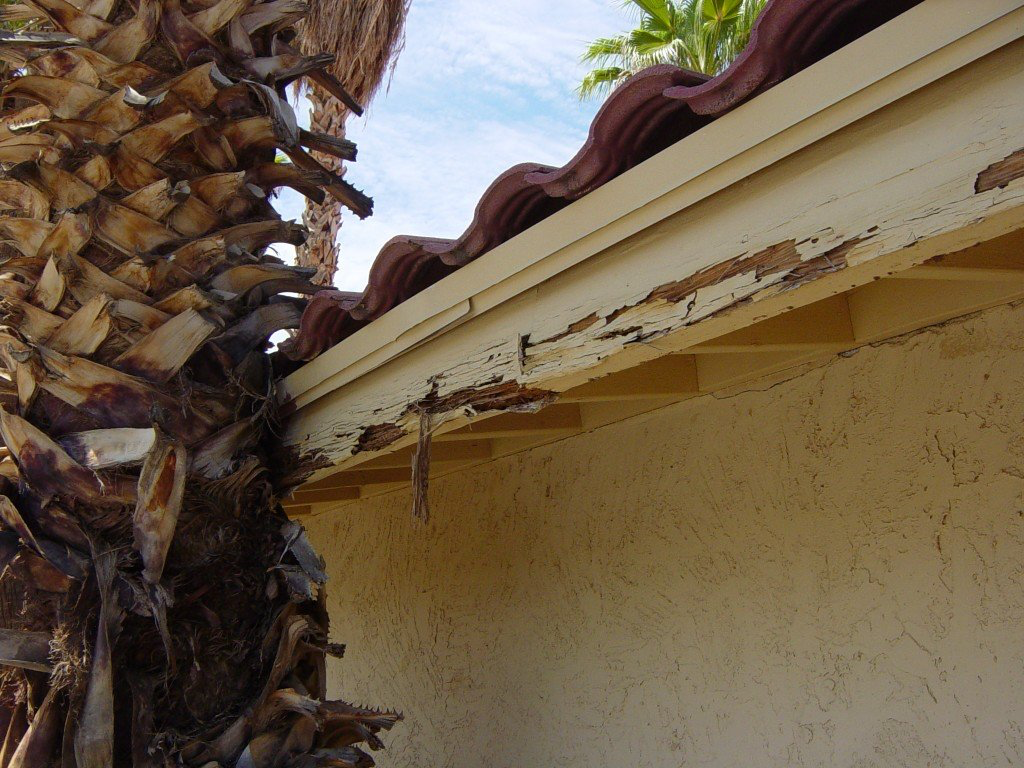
pixel 828 571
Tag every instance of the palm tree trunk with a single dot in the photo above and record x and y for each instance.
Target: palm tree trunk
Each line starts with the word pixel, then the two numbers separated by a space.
pixel 323 220
pixel 365 37
pixel 157 607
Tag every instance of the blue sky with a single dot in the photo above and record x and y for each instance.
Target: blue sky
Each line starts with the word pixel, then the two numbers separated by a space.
pixel 479 88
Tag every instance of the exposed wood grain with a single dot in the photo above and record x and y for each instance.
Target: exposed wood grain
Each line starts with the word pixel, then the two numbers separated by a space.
pixel 1001 173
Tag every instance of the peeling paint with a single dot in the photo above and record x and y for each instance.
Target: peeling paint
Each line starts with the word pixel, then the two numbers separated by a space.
pixel 621 332
pixel 775 258
pixel 1000 174
pixel 831 261
pixel 499 396
pixel 580 325
pixel 765 262
pixel 508 396
pixel 782 257
pixel 850 205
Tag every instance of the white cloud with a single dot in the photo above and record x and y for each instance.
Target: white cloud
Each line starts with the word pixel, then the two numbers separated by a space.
pixel 532 44
pixel 428 177
pixel 480 87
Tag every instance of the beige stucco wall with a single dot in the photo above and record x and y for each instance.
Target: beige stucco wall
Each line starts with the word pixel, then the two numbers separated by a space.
pixel 828 571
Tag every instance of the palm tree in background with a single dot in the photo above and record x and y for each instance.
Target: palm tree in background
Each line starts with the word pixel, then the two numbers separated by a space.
pixel 700 35
pixel 365 38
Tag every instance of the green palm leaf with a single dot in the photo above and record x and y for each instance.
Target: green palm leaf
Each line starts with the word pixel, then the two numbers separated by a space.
pixel 701 35
pixel 721 11
pixel 659 10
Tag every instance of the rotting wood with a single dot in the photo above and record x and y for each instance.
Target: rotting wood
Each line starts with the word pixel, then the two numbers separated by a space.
pixel 832 260
pixel 709 294
pixel 768 261
pixel 806 336
pixel 499 396
pixel 507 396
pixel 378 436
pixel 580 325
pixel 1000 174
pixel 421 470
pixel 782 258
pixel 865 203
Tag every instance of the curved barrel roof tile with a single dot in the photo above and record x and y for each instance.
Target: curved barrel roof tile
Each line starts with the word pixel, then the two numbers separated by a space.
pixel 646 114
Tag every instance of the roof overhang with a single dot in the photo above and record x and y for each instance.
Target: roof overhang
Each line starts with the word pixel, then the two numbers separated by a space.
pixel 795 226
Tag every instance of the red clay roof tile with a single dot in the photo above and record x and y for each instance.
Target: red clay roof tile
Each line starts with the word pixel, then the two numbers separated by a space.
pixel 646 114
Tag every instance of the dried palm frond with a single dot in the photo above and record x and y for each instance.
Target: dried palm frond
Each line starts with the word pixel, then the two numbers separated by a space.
pixel 364 37
pixel 157 607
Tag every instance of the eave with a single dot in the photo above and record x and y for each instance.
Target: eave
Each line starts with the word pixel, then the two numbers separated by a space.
pixel 802 220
